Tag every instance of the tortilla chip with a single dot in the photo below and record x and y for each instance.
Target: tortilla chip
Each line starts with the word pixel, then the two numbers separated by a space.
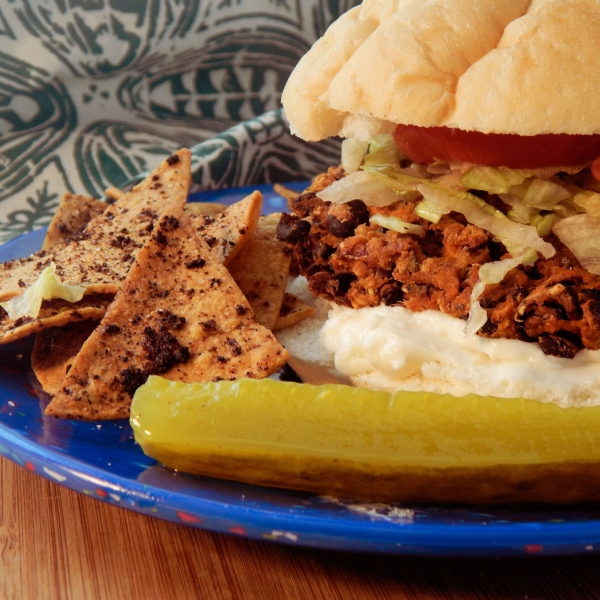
pixel 293 310
pixel 261 270
pixel 72 215
pixel 236 222
pixel 230 230
pixel 54 351
pixel 193 208
pixel 53 313
pixel 204 208
pixel 101 256
pixel 226 232
pixel 289 195
pixel 180 315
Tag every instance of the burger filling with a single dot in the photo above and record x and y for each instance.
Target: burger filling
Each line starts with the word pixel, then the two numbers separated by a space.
pixel 512 252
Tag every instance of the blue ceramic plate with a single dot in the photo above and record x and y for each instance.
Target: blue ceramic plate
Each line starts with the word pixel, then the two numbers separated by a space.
pixel 102 461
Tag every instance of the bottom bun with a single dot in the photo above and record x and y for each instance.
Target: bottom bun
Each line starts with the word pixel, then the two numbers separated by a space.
pixel 522 372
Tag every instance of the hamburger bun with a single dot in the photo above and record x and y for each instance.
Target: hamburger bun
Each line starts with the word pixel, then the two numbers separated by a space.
pixel 494 66
pixel 431 267
pixel 490 66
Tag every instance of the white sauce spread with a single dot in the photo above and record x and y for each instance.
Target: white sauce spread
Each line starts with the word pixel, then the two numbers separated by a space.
pixel 400 345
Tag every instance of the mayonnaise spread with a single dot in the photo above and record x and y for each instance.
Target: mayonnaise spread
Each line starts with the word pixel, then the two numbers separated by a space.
pixel 400 346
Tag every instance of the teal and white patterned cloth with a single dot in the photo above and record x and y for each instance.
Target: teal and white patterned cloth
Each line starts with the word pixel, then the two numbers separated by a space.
pixel 94 92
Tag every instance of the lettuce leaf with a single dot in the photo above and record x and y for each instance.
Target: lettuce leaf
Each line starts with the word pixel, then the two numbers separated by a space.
pixel 353 152
pixel 362 185
pixel 383 151
pixel 544 223
pixel 492 272
pixel 46 287
pixel 588 201
pixel 495 180
pixel 515 236
pixel 405 185
pixel 581 235
pixel 397 224
pixel 544 194
pixel 499 180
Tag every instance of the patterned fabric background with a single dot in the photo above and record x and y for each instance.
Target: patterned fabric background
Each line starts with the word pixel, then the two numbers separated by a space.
pixel 94 92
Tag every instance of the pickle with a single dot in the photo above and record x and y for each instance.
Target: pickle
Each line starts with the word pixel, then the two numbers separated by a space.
pixel 353 442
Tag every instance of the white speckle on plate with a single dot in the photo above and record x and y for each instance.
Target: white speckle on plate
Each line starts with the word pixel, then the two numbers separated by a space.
pixel 286 534
pixel 384 512
pixel 55 475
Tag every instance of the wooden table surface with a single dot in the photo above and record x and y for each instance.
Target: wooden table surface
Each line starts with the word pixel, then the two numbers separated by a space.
pixel 58 544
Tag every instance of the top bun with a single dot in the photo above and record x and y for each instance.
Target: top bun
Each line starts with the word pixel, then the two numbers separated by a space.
pixel 496 66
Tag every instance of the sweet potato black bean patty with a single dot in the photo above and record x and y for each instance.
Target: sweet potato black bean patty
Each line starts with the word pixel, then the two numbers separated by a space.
pixel 348 260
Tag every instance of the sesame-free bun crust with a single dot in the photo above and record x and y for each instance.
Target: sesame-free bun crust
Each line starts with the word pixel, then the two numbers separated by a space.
pixel 495 66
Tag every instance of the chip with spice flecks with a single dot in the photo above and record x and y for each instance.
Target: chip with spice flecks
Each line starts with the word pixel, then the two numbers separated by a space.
pixel 179 314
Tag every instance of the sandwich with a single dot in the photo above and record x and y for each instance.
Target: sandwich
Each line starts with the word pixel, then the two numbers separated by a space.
pixel 457 247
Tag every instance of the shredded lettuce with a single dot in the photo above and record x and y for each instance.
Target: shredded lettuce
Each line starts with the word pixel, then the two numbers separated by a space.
pixel 477 315
pixel 359 185
pixel 500 180
pixel 396 224
pixel 544 223
pixel 566 209
pixel 529 192
pixel 538 194
pixel 383 162
pixel 353 152
pixel 539 200
pixel 402 184
pixel 520 212
pixel 492 272
pixel 588 201
pixel 495 180
pixel 544 195
pixel 383 151
pixel 430 210
pixel 515 236
pixel 46 287
pixel 581 235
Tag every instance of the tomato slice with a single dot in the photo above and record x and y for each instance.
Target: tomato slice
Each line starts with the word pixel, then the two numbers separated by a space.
pixel 426 144
pixel 596 169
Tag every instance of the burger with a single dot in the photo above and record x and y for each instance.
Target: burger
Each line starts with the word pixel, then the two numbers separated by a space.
pixel 457 247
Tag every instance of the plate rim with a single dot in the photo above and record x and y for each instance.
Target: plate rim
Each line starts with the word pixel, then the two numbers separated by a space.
pixel 495 539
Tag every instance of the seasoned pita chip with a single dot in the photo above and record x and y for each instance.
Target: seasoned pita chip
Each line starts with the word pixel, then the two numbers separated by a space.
pixel 101 256
pixel 53 313
pixel 226 232
pixel 230 230
pixel 193 208
pixel 204 208
pixel 261 270
pixel 71 217
pixel 179 314
pixel 293 310
pixel 289 195
pixel 54 351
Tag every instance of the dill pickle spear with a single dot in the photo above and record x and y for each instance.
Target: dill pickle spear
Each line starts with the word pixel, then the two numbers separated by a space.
pixel 353 442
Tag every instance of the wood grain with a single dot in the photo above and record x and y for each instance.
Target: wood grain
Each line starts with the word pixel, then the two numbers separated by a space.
pixel 56 544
